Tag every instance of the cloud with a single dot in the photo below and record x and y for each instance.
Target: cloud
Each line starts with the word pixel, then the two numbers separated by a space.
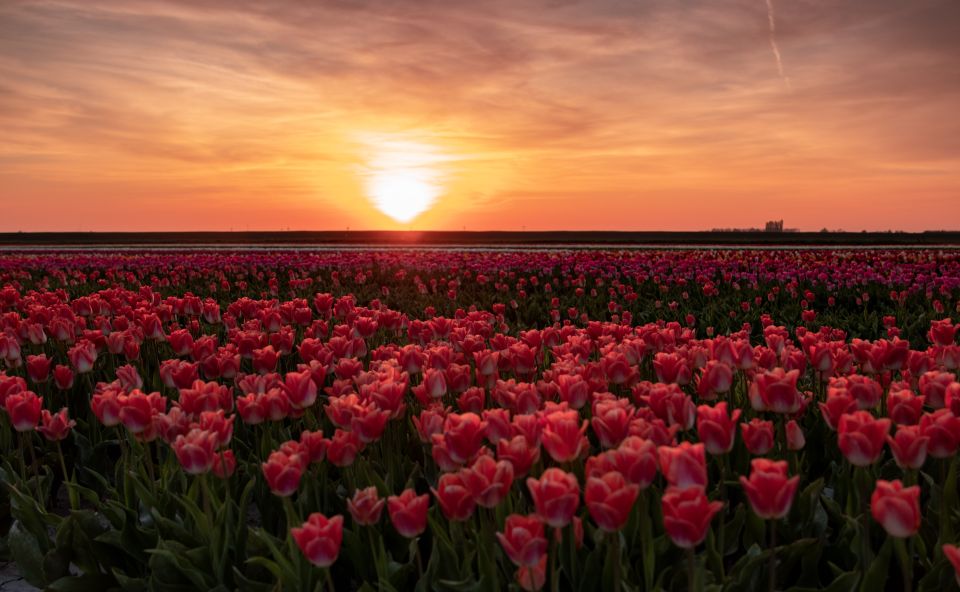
pixel 256 103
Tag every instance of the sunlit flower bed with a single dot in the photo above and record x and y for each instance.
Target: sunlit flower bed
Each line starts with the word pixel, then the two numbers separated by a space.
pixel 443 420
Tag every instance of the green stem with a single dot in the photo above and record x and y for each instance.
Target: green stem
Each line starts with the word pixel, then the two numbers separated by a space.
pixel 34 468
pixel 721 528
pixel 330 587
pixel 148 453
pixel 416 554
pixel 572 545
pixel 23 461
pixel 616 561
pixel 554 576
pixel 376 556
pixel 948 498
pixel 68 482
pixel 905 556
pixel 863 476
pixel 205 492
pixel 646 534
pixel 772 582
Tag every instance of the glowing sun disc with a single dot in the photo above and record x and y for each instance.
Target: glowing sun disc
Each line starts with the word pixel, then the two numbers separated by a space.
pixel 402 178
pixel 403 195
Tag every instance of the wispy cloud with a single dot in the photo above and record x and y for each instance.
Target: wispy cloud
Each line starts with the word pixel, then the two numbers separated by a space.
pixel 223 113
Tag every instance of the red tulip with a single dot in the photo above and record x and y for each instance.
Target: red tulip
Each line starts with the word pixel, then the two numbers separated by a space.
pixel 251 409
pixel 687 514
pixel 684 465
pixel 368 422
pixel 205 396
pixel 610 499
pixel 63 377
pixel 408 512
pixel 463 435
pixel 861 437
pixel 38 368
pixel 716 427
pixel 430 422
pixel 610 422
pixel 55 426
pixel 365 506
pixel 319 538
pixel 518 453
pixel 952 553
pixel 300 389
pixel 181 342
pixel 636 459
pixel 757 436
pixel 454 498
pixel 672 368
pixel 434 383
pixel 716 377
pixel 943 429
pixel 488 480
pixel 904 407
pixel 573 390
pixel 896 508
pixel 795 438
pixel 933 386
pixel 777 390
pixel 106 407
pixel 564 435
pixel 942 332
pixel 951 398
pixel 768 489
pixel 556 495
pixel 219 425
pixel 224 464
pixel 533 578
pixel 314 445
pixel 472 400
pixel 839 402
pixel 669 403
pixel 283 471
pixel 196 451
pixel 523 540
pixel 265 360
pixel 82 356
pixel 909 447
pixel 343 448
pixel 24 410
pixel 138 408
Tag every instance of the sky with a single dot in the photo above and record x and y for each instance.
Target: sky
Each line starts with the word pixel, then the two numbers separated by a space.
pixel 478 115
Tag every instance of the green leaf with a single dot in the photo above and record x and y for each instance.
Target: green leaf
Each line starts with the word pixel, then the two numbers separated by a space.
pixel 844 583
pixel 27 554
pixel 31 517
pixel 876 576
pixel 128 584
pixel 82 583
pixel 245 583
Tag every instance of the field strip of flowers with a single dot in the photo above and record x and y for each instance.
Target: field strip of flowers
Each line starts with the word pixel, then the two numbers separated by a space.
pixel 563 420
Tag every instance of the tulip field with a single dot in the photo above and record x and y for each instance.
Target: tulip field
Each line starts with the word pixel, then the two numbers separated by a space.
pixel 474 420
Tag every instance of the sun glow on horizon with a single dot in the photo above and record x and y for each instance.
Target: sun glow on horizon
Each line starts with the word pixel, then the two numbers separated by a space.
pixel 402 178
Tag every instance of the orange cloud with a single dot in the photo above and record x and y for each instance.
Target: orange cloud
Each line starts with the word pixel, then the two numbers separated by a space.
pixel 597 115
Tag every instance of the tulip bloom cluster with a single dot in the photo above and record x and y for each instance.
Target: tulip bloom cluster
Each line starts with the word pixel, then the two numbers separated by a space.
pixel 388 420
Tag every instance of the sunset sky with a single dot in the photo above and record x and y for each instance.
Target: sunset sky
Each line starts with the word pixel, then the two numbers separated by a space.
pixel 502 114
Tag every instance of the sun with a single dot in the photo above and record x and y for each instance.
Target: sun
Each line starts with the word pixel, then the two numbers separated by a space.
pixel 402 178
pixel 402 194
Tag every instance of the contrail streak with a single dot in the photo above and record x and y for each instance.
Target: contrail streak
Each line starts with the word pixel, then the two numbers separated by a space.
pixel 771 17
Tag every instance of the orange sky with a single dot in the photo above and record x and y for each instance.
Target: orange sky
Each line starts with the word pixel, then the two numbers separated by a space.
pixel 557 114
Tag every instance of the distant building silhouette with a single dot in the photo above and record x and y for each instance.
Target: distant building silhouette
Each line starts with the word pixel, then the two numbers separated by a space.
pixel 770 226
